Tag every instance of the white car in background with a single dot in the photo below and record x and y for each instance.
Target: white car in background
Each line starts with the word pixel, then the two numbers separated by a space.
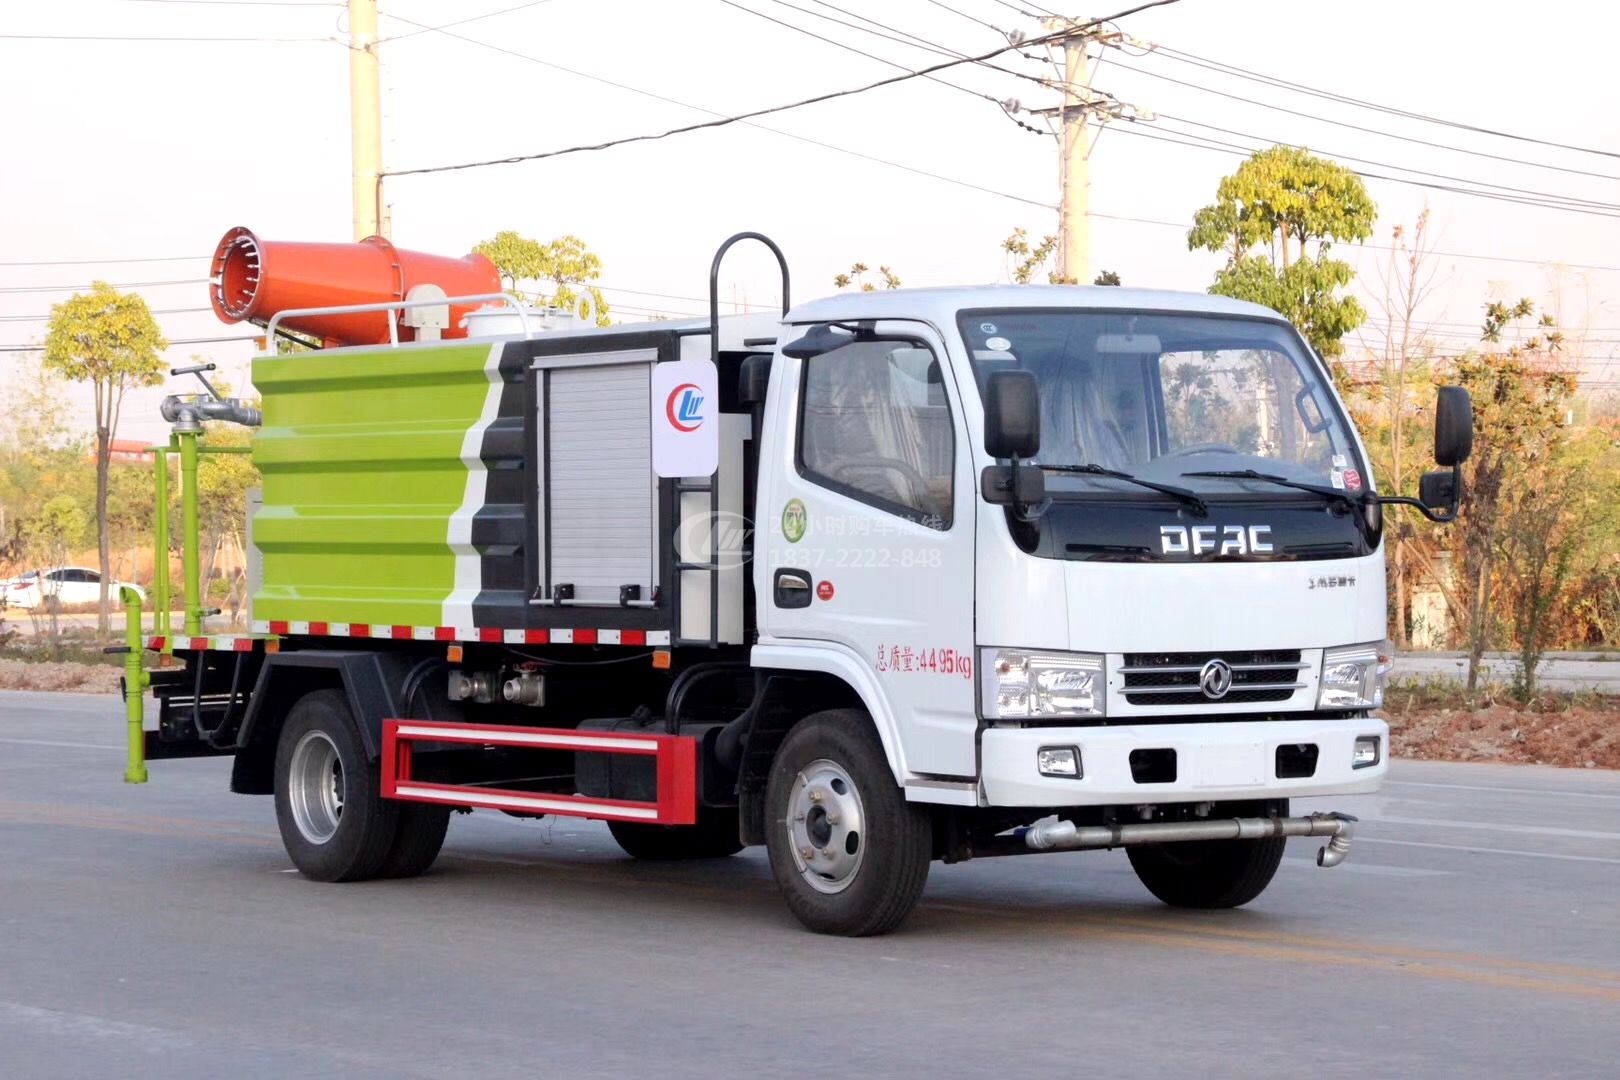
pixel 72 586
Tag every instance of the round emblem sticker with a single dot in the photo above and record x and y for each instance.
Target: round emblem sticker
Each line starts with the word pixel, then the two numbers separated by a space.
pixel 987 327
pixel 998 344
pixel 825 590
pixel 794 521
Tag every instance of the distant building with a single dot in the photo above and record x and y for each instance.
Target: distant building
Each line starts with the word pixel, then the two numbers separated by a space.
pixel 127 452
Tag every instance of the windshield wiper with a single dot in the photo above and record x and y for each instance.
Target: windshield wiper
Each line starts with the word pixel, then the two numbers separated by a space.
pixel 1349 500
pixel 1190 498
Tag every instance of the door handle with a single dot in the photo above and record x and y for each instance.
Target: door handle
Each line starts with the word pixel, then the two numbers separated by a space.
pixel 791 589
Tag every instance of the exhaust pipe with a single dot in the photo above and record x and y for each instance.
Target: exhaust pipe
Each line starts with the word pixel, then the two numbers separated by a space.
pixel 253 279
pixel 1061 835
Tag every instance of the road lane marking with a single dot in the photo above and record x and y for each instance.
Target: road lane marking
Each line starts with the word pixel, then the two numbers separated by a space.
pixel 1491 826
pixel 68 745
pixel 66 1025
pixel 1554 792
pixel 1476 849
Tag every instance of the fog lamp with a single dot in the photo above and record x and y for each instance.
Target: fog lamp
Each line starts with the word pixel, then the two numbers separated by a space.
pixel 1368 752
pixel 1059 761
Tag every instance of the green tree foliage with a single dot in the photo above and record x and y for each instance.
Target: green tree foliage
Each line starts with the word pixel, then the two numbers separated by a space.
pixel 565 264
pixel 1521 397
pixel 1267 216
pixel 1106 277
pixel 48 538
pixel 857 277
pixel 110 340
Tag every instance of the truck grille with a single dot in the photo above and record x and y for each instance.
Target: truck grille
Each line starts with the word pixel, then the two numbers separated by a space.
pixel 1174 678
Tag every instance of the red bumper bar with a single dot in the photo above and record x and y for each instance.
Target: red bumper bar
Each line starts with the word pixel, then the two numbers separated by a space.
pixel 675 758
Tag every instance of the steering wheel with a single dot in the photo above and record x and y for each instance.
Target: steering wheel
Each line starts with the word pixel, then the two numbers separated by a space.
pixel 916 479
pixel 1205 448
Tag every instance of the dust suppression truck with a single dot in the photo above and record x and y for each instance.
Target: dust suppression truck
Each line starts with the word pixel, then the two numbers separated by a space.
pixel 889 579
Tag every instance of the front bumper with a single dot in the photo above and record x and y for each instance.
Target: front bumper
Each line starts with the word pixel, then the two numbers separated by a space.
pixel 1213 762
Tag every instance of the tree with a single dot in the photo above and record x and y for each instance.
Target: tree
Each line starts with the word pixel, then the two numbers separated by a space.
pixel 566 263
pixel 49 537
pixel 1284 200
pixel 1521 395
pixel 1106 277
pixel 1024 261
pixel 110 340
pixel 857 277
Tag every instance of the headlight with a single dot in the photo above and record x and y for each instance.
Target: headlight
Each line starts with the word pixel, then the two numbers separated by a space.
pixel 1020 685
pixel 1353 676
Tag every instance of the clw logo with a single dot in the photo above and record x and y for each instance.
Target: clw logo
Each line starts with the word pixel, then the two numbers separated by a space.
pixel 685 407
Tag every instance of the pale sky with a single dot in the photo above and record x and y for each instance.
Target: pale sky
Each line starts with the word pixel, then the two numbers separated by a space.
pixel 132 150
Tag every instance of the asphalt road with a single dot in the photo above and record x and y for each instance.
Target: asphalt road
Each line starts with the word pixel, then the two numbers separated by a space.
pixel 158 931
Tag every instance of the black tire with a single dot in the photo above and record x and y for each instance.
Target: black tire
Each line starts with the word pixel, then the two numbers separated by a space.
pixel 364 826
pixel 713 837
pixel 1211 873
pixel 416 845
pixel 895 841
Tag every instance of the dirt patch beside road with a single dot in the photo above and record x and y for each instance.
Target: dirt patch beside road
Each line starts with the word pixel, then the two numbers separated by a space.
pixel 65 675
pixel 1575 737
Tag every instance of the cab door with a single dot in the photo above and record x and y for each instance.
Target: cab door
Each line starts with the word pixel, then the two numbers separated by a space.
pixel 866 507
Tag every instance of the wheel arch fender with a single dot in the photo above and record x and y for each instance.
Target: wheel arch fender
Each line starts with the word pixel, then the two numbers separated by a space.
pixel 368 680
pixel 844 665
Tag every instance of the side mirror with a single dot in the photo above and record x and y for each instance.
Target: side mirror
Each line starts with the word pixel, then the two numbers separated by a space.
pixel 1453 427
pixel 1012 415
pixel 754 380
pixel 1438 491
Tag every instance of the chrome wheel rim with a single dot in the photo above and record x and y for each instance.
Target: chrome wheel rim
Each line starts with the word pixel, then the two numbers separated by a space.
pixel 315 787
pixel 826 826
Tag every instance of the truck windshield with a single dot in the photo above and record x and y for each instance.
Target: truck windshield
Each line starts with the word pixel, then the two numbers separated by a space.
pixel 1166 397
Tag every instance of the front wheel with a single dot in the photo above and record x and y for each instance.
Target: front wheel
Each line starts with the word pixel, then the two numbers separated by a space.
pixel 1208 873
pixel 849 853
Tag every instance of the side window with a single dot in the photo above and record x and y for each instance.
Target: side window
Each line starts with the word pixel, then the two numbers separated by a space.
pixel 875 425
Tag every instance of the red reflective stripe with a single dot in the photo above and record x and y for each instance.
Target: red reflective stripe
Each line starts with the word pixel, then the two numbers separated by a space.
pixel 444 633
pixel 536 637
pixel 242 644
pixel 491 633
pixel 158 643
pixel 401 633
pixel 317 628
pixel 359 629
pixel 199 643
pixel 633 637
pixel 584 637
pixel 277 627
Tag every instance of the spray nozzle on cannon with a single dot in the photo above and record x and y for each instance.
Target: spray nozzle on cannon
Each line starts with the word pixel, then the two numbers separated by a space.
pixel 188 411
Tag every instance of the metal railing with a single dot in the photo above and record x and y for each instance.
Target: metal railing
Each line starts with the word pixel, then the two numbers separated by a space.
pixel 394 307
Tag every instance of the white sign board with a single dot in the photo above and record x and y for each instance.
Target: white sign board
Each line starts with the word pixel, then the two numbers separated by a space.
pixel 685 418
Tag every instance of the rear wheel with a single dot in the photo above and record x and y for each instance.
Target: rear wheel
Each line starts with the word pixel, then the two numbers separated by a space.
pixel 713 837
pixel 416 845
pixel 849 853
pixel 1209 873
pixel 334 822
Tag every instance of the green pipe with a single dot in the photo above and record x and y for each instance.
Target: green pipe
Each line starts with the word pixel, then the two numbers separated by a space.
pixel 135 683
pixel 225 449
pixel 190 541
pixel 160 547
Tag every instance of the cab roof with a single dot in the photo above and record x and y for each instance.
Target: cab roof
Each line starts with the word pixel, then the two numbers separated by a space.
pixel 940 305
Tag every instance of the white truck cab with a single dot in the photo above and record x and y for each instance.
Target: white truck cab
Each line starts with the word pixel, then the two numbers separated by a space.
pixel 1081 548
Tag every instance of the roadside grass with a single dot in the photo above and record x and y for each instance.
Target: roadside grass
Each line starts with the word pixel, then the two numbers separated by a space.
pixel 1417 693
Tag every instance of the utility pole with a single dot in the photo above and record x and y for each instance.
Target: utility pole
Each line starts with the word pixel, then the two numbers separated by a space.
pixel 1074 227
pixel 365 119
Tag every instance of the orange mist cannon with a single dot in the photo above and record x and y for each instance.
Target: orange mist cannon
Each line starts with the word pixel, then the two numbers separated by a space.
pixel 253 279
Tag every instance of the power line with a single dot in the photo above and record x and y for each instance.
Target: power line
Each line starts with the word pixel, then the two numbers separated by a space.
pixel 1351 126
pixel 1569 199
pixel 172 342
pixel 459 22
pixel 850 48
pixel 1392 110
pixel 817 99
pixel 761 127
pixel 101 262
pixel 969 18
pixel 915 41
pixel 115 285
pixel 1185 225
pixel 166 38
pixel 161 311
pixel 1219 146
